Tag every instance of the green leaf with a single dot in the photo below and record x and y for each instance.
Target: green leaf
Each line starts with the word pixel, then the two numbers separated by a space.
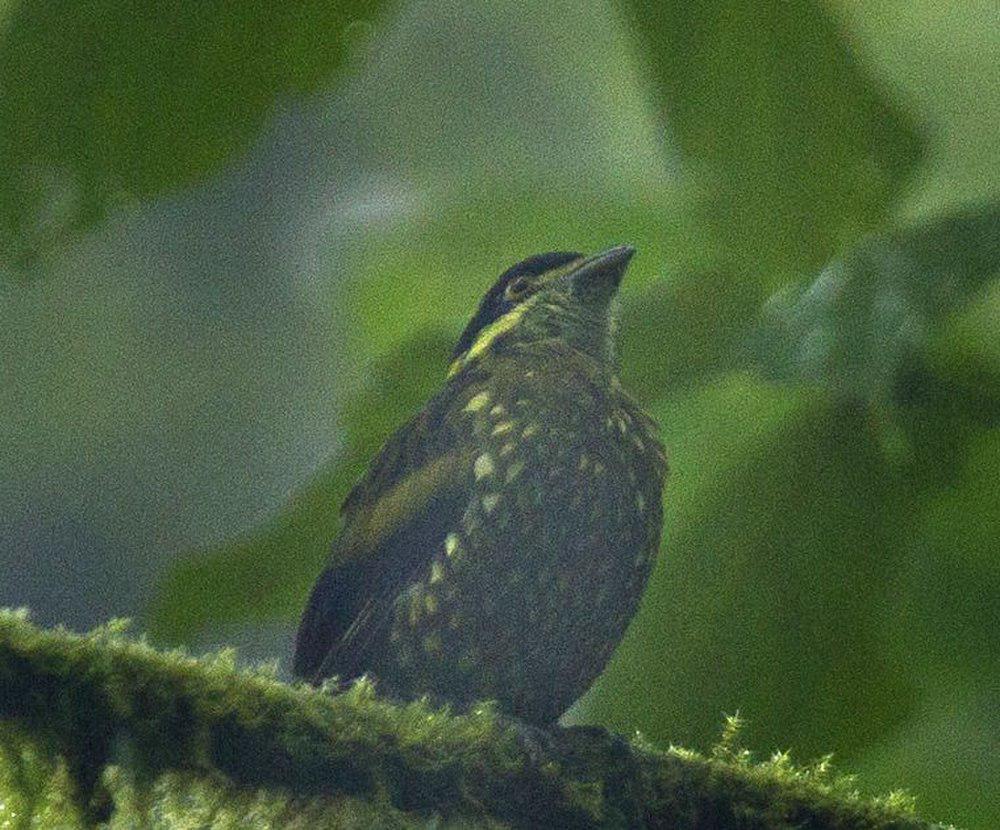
pixel 797 148
pixel 868 316
pixel 949 597
pixel 944 62
pixel 268 574
pixel 948 749
pixel 103 101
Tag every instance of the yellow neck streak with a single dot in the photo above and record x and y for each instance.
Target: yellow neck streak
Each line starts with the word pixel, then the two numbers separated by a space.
pixel 489 334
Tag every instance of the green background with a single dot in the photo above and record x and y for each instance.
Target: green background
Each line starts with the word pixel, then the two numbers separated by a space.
pixel 237 241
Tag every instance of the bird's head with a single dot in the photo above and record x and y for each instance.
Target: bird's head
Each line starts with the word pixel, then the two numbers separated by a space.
pixel 559 295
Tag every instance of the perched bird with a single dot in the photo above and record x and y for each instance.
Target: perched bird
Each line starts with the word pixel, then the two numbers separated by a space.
pixel 499 544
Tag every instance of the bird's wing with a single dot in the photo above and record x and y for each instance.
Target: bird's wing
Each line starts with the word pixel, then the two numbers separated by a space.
pixel 388 536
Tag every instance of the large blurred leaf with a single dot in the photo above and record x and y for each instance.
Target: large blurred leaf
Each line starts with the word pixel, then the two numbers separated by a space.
pixel 942 626
pixel 268 574
pixel 103 100
pixel 949 604
pixel 946 752
pixel 869 315
pixel 943 61
pixel 795 145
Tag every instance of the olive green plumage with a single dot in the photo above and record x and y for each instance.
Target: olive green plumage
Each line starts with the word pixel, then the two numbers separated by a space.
pixel 501 540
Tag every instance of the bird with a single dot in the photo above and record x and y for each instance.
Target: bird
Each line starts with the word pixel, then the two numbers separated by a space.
pixel 500 542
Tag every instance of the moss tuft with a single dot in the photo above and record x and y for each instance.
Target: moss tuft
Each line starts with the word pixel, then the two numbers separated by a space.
pixel 103 728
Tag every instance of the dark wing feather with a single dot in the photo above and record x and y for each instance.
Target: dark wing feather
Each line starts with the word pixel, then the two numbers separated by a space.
pixel 387 539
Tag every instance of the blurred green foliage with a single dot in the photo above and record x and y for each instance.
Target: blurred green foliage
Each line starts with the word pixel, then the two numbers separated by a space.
pixel 813 315
pixel 86 89
pixel 258 573
pixel 867 316
pixel 777 120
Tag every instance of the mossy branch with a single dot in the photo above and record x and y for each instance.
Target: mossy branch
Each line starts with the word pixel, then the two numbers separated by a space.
pixel 101 727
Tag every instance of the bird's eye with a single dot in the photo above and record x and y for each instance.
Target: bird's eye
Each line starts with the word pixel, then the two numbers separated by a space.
pixel 517 289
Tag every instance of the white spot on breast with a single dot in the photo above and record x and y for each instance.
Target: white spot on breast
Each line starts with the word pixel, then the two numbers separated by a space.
pixel 502 427
pixel 514 470
pixel 483 466
pixel 477 402
pixel 415 610
pixel 470 522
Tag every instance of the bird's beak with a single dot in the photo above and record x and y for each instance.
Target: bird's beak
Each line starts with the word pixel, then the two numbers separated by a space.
pixel 597 278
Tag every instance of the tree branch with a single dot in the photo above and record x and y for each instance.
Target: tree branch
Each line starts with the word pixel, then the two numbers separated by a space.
pixel 104 726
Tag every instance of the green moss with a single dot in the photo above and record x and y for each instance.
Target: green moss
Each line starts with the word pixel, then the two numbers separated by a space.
pixel 104 728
